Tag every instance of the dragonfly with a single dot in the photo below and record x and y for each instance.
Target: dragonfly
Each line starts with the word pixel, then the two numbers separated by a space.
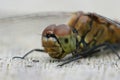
pixel 85 34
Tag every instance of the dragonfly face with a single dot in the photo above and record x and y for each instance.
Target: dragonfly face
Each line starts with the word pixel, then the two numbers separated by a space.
pixel 58 41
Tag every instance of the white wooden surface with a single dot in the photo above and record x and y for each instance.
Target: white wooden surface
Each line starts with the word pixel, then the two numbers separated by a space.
pixel 21 34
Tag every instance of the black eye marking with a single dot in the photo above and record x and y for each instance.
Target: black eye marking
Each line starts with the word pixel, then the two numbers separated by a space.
pixel 50 35
pixel 66 40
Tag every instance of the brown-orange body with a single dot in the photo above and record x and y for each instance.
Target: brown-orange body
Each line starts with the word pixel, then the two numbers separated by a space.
pixel 95 28
pixel 91 28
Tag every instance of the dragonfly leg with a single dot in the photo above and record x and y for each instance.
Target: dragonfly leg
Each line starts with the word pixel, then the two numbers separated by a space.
pixel 113 49
pixel 89 52
pixel 106 44
pixel 37 50
pixel 78 56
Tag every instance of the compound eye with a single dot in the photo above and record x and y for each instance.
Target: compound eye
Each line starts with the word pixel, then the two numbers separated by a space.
pixel 62 30
pixel 49 30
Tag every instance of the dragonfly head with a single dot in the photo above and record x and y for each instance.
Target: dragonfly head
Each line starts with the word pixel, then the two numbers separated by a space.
pixel 58 40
